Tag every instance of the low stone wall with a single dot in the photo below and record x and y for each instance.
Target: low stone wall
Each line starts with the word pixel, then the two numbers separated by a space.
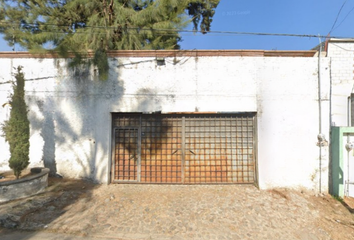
pixel 25 187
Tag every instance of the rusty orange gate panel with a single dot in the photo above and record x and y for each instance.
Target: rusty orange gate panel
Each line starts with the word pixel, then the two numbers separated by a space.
pixel 184 148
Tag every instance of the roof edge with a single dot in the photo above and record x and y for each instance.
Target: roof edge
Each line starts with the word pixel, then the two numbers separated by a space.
pixel 340 40
pixel 176 53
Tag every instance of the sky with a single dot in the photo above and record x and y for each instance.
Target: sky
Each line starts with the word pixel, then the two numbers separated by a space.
pixel 303 17
pixel 310 17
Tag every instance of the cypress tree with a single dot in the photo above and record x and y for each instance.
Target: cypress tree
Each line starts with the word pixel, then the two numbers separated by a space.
pixel 17 129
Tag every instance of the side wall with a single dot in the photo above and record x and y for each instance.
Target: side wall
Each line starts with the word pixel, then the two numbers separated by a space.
pixel 341 54
pixel 71 121
pixel 289 122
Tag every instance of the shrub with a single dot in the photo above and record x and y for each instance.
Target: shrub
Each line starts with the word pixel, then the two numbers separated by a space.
pixel 17 129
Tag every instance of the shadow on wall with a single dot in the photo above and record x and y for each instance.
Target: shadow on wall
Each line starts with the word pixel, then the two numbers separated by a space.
pixel 154 128
pixel 66 117
pixel 73 114
pixel 93 103
pixel 42 121
pixel 48 135
pixel 147 100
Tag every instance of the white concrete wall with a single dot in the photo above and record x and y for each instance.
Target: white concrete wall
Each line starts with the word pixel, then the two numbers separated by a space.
pixel 71 121
pixel 288 123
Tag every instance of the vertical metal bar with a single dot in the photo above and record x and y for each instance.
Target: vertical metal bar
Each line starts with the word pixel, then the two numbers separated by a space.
pixel 203 150
pixel 183 146
pixel 227 119
pixel 123 156
pixel 199 131
pixel 113 157
pixel 211 125
pixel 195 164
pixel 243 136
pixel 221 147
pixel 255 151
pixel 128 135
pixel 139 150
pixel 152 142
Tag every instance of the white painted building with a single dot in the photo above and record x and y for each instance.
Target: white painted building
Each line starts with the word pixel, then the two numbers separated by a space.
pixel 259 114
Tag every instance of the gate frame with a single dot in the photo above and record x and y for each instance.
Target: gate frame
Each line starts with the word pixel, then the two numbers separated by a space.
pixel 139 114
pixel 337 181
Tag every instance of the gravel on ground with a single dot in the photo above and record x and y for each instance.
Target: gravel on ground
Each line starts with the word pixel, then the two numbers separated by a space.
pixel 131 211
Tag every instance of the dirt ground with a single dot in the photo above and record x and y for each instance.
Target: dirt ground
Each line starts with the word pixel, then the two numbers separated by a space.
pixel 86 209
pixel 9 176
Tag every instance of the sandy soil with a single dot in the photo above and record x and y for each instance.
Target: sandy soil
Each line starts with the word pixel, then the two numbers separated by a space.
pixel 86 209
pixel 9 176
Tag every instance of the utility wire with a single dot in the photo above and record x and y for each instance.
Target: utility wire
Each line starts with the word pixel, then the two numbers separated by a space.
pixel 162 31
pixel 340 10
pixel 344 19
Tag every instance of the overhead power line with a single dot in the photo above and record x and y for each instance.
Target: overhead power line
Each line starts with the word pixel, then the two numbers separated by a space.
pixel 162 31
pixel 335 21
pixel 351 10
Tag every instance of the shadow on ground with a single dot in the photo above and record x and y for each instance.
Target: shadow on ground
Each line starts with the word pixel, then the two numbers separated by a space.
pixel 348 202
pixel 36 212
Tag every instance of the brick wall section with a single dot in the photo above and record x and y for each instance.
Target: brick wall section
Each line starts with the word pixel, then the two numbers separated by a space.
pixel 341 54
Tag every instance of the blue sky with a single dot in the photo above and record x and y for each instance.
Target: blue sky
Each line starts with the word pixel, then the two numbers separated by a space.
pixel 311 17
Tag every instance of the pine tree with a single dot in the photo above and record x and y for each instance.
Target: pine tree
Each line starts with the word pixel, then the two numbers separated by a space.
pixel 81 26
pixel 16 129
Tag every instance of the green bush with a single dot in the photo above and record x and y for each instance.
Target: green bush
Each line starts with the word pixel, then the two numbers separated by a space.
pixel 17 128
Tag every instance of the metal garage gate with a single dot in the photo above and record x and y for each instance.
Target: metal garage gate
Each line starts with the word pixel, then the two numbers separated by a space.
pixel 184 148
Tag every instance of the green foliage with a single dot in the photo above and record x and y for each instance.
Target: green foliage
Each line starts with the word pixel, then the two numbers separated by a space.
pixel 81 26
pixel 202 12
pixel 101 61
pixel 16 129
pixel 338 198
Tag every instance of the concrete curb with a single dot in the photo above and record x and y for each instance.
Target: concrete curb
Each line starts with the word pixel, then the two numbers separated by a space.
pixel 24 187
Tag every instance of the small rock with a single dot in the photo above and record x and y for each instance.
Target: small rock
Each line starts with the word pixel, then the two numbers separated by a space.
pixel 107 226
pixel 10 221
pixel 51 208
